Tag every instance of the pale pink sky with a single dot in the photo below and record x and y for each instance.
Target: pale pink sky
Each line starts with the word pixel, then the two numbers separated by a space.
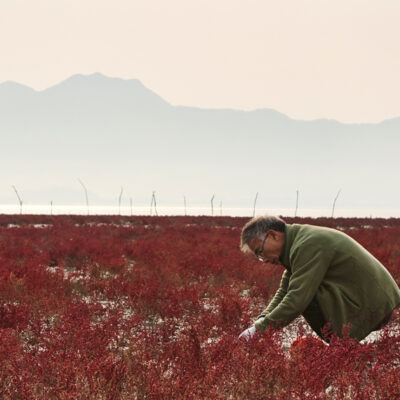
pixel 309 59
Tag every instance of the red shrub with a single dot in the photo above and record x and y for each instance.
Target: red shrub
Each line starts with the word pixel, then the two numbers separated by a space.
pixel 150 307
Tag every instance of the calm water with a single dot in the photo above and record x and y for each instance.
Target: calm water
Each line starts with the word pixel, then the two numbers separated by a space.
pixel 175 210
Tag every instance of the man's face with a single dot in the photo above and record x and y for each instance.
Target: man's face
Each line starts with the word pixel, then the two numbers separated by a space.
pixel 269 247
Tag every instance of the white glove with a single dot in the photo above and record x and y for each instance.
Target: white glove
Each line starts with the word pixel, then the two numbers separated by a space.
pixel 248 334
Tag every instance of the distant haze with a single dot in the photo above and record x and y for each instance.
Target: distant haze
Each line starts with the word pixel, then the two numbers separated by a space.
pixel 306 58
pixel 114 133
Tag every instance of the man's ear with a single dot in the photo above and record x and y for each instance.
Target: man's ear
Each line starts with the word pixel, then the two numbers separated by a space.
pixel 276 235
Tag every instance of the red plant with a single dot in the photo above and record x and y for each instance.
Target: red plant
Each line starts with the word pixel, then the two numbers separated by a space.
pixel 150 308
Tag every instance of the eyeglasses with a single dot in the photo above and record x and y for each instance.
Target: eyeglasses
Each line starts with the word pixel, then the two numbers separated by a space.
pixel 259 252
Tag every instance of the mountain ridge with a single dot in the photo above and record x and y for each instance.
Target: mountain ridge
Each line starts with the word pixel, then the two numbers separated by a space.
pixel 108 130
pixel 99 78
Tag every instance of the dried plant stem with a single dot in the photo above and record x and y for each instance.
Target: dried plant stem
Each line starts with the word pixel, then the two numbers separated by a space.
pixel 254 205
pixel 86 195
pixel 153 203
pixel 19 199
pixel 119 200
pixel 334 202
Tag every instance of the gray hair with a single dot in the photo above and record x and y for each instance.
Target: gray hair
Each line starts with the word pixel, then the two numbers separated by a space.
pixel 258 227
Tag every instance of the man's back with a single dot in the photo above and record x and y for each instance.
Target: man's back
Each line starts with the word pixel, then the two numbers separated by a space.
pixel 348 283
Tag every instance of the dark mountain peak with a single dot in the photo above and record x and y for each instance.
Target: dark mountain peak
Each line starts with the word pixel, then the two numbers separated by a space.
pixel 10 87
pixel 269 113
pixel 97 86
pixel 391 121
pixel 96 77
pixel 16 94
pixel 95 80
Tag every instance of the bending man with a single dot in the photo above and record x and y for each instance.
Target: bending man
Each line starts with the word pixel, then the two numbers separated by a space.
pixel 329 278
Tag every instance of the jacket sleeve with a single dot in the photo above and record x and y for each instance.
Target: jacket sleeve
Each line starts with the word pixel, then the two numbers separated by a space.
pixel 279 295
pixel 308 264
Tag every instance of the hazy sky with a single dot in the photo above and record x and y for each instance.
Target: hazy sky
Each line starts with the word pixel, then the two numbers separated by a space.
pixel 309 59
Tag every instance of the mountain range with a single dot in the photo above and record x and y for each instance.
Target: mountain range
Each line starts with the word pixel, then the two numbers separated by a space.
pixel 113 133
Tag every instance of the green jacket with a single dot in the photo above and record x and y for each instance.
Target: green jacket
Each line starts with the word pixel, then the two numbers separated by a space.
pixel 350 285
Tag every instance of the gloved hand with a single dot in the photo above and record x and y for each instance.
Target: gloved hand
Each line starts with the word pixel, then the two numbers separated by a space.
pixel 248 334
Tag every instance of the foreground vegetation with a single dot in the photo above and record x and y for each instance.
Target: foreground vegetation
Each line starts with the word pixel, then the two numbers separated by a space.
pixel 114 307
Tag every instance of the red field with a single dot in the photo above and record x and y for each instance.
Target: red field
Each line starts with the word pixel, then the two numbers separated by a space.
pixel 151 307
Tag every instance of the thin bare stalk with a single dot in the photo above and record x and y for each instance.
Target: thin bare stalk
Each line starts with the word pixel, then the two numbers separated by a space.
pixel 19 199
pixel 86 195
pixel 254 205
pixel 119 200
pixel 334 202
pixel 51 207
pixel 184 203
pixel 212 205
pixel 153 203
pixel 297 203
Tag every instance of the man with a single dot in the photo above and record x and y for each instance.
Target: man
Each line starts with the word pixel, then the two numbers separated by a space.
pixel 330 279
